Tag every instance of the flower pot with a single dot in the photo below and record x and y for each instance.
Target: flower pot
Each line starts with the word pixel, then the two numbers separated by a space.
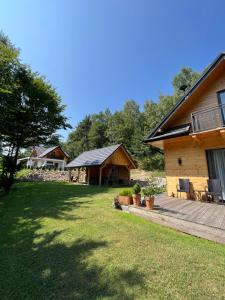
pixel 125 200
pixel 137 199
pixel 149 201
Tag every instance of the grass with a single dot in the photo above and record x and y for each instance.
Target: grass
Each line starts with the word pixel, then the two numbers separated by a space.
pixel 63 241
pixel 143 175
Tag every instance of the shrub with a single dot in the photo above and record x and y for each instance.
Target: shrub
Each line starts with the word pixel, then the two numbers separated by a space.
pixel 126 192
pixel 23 173
pixel 136 189
pixel 151 191
pixel 153 187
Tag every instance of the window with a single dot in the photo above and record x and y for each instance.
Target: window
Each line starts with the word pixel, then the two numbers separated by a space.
pixel 221 97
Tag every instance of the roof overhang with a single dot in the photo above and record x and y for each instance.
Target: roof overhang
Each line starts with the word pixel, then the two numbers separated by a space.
pixel 185 98
pixel 175 132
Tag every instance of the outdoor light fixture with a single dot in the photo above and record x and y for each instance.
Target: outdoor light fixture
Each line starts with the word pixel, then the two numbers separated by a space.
pixel 179 161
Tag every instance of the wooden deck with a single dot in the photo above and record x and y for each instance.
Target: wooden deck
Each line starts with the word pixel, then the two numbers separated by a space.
pixel 206 220
pixel 209 214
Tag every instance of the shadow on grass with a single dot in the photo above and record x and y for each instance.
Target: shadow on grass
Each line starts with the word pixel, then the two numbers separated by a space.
pixel 36 265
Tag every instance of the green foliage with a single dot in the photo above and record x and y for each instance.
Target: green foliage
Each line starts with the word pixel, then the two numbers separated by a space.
pixel 155 161
pixel 136 189
pixel 184 80
pixel 130 126
pixel 153 187
pixel 31 109
pixel 23 173
pixel 78 140
pixel 126 192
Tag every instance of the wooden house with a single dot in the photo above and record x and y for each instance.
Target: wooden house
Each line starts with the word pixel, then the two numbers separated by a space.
pixel 107 165
pixel 53 157
pixel 192 134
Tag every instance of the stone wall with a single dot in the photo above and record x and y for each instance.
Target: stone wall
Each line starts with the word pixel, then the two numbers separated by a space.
pixel 45 175
pixel 50 175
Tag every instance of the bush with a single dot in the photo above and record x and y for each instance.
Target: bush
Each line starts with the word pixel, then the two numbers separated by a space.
pixel 151 191
pixel 23 173
pixel 126 192
pixel 136 189
pixel 153 187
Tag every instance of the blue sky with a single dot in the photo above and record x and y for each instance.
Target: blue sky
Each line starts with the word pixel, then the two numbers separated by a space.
pixel 99 53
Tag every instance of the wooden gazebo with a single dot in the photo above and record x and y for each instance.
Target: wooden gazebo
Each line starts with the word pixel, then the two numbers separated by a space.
pixel 105 166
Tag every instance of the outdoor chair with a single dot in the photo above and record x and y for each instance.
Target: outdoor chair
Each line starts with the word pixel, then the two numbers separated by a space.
pixel 183 186
pixel 214 190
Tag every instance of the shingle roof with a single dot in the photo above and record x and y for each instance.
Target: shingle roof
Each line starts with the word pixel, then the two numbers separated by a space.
pixel 94 157
pixel 41 151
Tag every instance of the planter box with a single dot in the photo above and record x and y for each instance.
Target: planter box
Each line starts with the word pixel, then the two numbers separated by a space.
pixel 125 200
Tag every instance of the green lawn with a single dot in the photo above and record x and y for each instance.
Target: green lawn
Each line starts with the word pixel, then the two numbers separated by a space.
pixel 62 241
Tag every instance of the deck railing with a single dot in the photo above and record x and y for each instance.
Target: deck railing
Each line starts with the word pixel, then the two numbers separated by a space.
pixel 210 118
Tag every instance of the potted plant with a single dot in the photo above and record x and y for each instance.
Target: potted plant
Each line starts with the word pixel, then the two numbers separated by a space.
pixel 125 197
pixel 149 193
pixel 136 194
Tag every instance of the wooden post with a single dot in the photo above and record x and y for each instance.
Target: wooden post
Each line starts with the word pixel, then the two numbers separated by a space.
pixel 100 176
pixel 69 174
pixel 88 175
pixel 78 179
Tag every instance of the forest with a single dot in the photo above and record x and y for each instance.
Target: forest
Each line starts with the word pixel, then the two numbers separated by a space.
pixel 130 125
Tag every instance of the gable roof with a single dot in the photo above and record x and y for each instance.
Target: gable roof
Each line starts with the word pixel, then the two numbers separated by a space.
pixel 96 157
pixel 204 75
pixel 41 151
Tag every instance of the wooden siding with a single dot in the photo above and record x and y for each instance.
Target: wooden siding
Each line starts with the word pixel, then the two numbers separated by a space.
pixel 57 153
pixel 119 157
pixel 205 96
pixel 192 152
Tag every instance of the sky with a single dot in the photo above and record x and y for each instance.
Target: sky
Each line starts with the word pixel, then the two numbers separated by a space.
pixel 100 53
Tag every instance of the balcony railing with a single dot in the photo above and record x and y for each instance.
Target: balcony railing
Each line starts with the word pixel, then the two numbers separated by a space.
pixel 210 118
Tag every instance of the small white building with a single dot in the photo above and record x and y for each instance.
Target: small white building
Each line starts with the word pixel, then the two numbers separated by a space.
pixel 41 157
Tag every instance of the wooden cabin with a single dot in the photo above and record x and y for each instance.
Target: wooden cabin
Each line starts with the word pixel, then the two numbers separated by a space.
pixel 50 158
pixel 192 134
pixel 105 166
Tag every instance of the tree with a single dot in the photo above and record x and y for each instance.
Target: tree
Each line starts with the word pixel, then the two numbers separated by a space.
pixel 130 125
pixel 78 140
pixel 31 110
pixel 184 80
pixel 97 134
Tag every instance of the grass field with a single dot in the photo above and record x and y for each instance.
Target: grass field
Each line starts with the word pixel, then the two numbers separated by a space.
pixel 62 241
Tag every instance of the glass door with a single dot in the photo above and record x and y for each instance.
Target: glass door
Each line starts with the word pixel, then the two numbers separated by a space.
pixel 216 166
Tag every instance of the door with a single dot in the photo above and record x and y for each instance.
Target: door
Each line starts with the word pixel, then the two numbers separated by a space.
pixel 216 166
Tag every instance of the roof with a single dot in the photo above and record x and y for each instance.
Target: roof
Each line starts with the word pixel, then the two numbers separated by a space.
pixel 95 157
pixel 175 132
pixel 207 71
pixel 41 151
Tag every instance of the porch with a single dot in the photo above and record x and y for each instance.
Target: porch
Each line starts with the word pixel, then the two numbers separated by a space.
pixel 202 219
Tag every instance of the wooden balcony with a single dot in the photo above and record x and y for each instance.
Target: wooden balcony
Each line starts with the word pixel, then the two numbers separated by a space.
pixel 208 119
